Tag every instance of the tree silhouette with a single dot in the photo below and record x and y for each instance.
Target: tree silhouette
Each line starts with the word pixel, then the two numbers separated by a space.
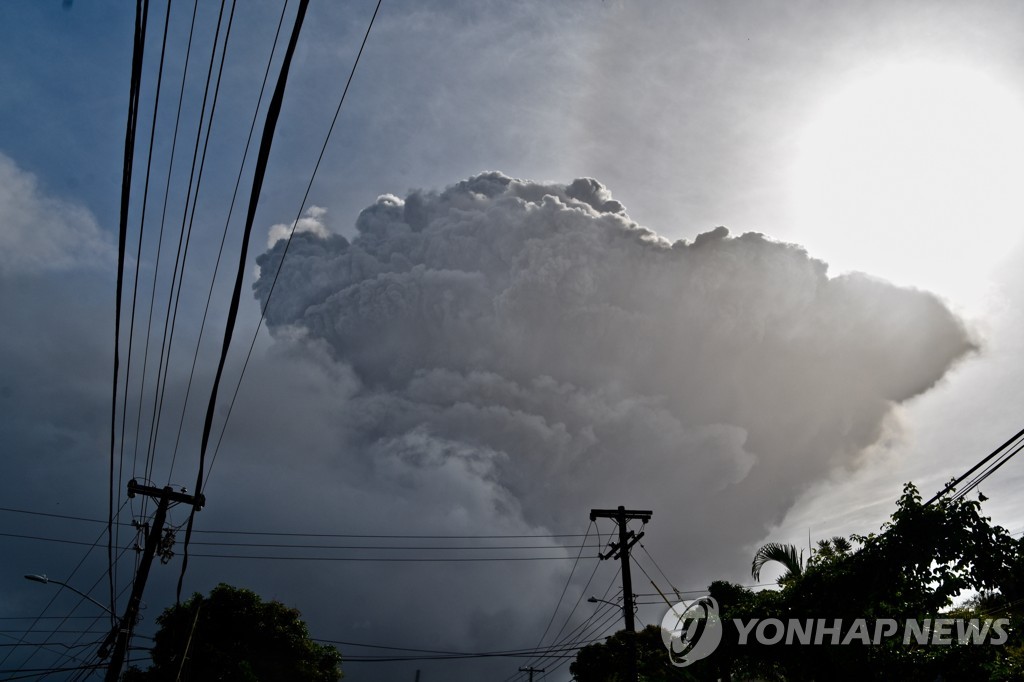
pixel 234 636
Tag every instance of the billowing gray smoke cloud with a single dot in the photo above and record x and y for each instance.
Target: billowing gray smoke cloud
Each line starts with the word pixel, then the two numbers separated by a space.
pixel 532 338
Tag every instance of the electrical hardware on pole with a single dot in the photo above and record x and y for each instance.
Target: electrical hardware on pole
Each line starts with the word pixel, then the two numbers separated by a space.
pixel 120 636
pixel 530 669
pixel 620 550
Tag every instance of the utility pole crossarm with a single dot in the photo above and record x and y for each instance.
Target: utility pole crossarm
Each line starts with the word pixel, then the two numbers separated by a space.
pixel 643 514
pixel 120 636
pixel 134 488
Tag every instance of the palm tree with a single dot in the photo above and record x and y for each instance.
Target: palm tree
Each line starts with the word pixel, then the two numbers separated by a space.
pixel 833 549
pixel 784 554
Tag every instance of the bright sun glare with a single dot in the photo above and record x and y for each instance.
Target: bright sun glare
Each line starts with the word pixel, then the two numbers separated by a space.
pixel 914 173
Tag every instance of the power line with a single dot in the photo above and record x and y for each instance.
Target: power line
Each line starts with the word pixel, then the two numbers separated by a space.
pixel 95 619
pixel 995 453
pixel 576 637
pixel 135 286
pixel 458 548
pixel 462 548
pixel 669 582
pixel 184 239
pixel 138 49
pixel 36 672
pixel 987 471
pixel 434 654
pixel 262 159
pixel 575 632
pixel 561 596
pixel 74 571
pixel 195 199
pixel 388 559
pixel 70 517
pixel 579 599
pixel 159 249
pixel 227 222
pixel 648 576
pixel 284 253
pixel 596 634
pixel 437 651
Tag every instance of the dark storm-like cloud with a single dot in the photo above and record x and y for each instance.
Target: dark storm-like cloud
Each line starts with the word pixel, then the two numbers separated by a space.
pixel 529 340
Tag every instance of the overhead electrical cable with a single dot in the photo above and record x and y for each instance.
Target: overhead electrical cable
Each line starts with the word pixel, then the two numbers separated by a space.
pixel 428 548
pixel 263 156
pixel 995 453
pixel 159 246
pixel 224 233
pixel 647 575
pixel 37 672
pixel 571 638
pixel 568 581
pixel 184 238
pixel 439 652
pixel 575 632
pixel 298 215
pixel 990 469
pixel 578 600
pixel 593 636
pixel 68 579
pixel 67 653
pixel 363 559
pixel 312 535
pixel 138 49
pixel 667 581
pixel 191 221
pixel 433 654
pixel 600 614
pixel 87 629
pixel 135 285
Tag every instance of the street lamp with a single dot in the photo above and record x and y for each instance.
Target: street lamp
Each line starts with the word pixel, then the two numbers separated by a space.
pixel 595 600
pixel 44 580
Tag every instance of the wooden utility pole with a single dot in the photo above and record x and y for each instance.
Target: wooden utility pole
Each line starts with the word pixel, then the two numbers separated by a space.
pixel 121 635
pixel 530 669
pixel 620 550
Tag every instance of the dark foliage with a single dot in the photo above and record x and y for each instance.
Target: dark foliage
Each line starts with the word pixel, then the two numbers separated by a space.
pixel 234 636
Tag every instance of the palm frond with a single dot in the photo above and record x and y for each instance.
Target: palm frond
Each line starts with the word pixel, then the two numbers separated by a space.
pixel 787 555
pixel 841 544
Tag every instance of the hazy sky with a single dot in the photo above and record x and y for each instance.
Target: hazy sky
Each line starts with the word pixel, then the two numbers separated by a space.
pixel 508 301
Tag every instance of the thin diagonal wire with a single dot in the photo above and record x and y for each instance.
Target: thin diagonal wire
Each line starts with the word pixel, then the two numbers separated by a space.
pixel 568 581
pixel 953 484
pixel 986 472
pixel 582 626
pixel 259 173
pixel 669 582
pixel 224 234
pixel 302 205
pixel 592 637
pixel 183 243
pixel 135 288
pixel 138 50
pixel 99 538
pixel 87 628
pixel 160 240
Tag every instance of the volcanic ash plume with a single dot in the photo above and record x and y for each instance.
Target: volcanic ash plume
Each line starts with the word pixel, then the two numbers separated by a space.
pixel 533 339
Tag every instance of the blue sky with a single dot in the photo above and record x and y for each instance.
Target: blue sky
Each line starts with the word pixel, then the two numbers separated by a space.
pixel 878 137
